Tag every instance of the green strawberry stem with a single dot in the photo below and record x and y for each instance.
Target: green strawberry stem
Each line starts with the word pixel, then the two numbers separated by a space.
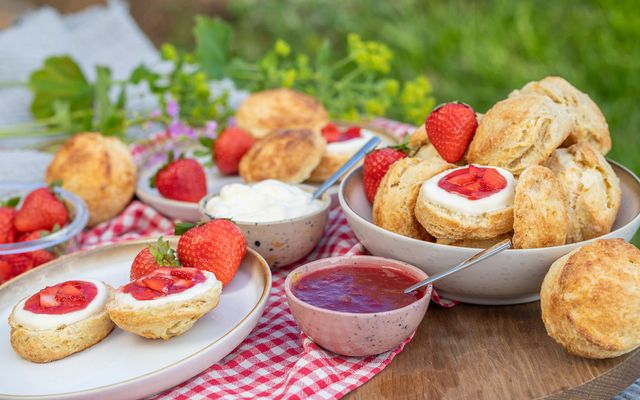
pixel 164 254
pixel 11 203
pixel 182 227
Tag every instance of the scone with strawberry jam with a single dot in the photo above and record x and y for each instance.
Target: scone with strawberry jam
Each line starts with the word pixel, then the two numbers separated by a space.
pixel 165 303
pixel 60 320
pixel 470 202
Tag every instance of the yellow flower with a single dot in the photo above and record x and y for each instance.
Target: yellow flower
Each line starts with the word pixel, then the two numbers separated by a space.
pixel 375 107
pixel 289 77
pixel 390 87
pixel 168 52
pixel 282 48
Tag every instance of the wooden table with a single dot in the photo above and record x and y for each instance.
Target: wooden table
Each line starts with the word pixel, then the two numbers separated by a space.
pixel 479 352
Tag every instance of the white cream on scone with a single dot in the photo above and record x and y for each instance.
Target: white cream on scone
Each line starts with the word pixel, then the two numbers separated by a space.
pixel 350 146
pixel 40 322
pixel 127 300
pixel 460 204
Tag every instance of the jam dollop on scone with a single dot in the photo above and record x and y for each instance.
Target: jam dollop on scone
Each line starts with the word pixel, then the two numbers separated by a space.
pixel 470 202
pixel 60 320
pixel 165 303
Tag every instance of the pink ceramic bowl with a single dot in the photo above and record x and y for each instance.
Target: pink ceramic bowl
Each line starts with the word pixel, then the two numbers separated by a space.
pixel 356 334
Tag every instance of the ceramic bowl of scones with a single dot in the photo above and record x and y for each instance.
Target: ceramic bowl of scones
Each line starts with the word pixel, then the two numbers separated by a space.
pixel 532 169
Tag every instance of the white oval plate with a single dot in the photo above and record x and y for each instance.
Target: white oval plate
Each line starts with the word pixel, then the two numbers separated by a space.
pixel 123 365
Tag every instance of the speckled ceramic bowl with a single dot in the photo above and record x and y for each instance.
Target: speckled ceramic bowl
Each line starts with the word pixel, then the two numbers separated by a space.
pixel 282 242
pixel 356 334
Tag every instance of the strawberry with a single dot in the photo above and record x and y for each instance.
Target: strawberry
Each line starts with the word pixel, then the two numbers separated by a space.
pixel 19 262
pixel 182 179
pixel 228 149
pixel 450 128
pixel 157 283
pixel 352 133
pixel 69 293
pixel 217 246
pixel 6 271
pixel 152 257
pixel 41 209
pixel 331 133
pixel 7 230
pixel 376 165
pixel 48 297
pixel 39 257
pixel 35 235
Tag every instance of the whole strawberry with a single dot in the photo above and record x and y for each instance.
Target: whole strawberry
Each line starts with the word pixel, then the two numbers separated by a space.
pixel 41 210
pixel 7 230
pixel 182 179
pixel 228 149
pixel 376 165
pixel 217 246
pixel 39 257
pixel 19 262
pixel 6 271
pixel 153 257
pixel 450 128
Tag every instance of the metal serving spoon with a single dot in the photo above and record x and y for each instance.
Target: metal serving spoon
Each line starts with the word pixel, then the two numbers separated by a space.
pixel 370 145
pixel 483 255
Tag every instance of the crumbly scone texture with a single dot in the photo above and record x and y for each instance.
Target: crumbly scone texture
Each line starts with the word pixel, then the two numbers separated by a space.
pixel 329 164
pixel 590 299
pixel 418 138
pixel 97 168
pixel 591 187
pixel 43 346
pixel 539 210
pixel 475 243
pixel 163 321
pixel 589 124
pixel 289 155
pixel 394 204
pixel 444 223
pixel 264 112
pixel 519 132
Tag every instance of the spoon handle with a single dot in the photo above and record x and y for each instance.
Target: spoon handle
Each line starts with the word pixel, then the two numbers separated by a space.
pixel 484 254
pixel 370 145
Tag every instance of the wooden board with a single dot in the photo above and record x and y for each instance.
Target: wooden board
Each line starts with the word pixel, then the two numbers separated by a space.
pixel 479 352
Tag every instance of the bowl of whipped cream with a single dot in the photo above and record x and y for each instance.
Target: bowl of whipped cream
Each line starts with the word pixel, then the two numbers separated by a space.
pixel 280 221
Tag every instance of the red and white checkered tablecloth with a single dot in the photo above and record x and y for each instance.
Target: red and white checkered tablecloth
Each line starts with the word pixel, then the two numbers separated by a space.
pixel 276 361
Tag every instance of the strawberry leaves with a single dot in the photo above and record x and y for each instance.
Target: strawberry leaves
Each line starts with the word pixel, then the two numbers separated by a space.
pixel 163 253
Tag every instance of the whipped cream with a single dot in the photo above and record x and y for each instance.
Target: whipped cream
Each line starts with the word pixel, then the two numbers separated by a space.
pixel 460 204
pixel 211 282
pixel 41 322
pixel 266 201
pixel 350 146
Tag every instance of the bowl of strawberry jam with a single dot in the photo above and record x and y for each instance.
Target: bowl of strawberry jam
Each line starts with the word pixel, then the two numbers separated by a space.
pixel 355 305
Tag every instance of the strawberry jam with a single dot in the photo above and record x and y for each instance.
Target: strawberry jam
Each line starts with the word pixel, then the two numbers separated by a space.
pixel 473 182
pixel 333 134
pixel 361 289
pixel 164 282
pixel 62 298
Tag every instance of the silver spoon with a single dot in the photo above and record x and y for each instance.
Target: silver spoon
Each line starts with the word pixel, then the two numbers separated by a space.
pixel 370 145
pixel 483 255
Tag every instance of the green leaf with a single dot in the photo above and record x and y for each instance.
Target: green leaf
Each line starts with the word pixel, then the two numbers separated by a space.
pixel 59 79
pixel 206 141
pixel 212 45
pixel 109 117
pixel 12 202
pixel 182 227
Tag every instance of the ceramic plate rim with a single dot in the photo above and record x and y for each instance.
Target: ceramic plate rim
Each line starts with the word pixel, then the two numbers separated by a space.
pixel 263 298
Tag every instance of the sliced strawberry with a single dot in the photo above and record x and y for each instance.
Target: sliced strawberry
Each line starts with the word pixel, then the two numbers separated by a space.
pixel 69 293
pixel 493 180
pixel 473 182
pixel 182 283
pixel 146 294
pixel 163 271
pixel 158 284
pixel 462 179
pixel 352 133
pixel 331 133
pixel 184 273
pixel 48 297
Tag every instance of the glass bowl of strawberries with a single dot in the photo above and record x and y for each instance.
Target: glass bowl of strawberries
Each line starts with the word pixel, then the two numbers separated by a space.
pixel 37 224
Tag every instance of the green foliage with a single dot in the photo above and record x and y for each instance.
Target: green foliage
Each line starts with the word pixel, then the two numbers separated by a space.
pixel 212 45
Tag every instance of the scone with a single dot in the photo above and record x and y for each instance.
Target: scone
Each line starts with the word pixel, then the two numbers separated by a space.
pixel 424 149
pixel 289 155
pixel 474 243
pixel 539 210
pixel 589 124
pixel 418 138
pixel 97 168
pixel 60 320
pixel 271 110
pixel 165 303
pixel 470 202
pixel 591 187
pixel 519 132
pixel 394 204
pixel 590 299
pixel 337 153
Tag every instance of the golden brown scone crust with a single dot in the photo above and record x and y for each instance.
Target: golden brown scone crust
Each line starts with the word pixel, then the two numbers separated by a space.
pixel 590 299
pixel 329 164
pixel 443 223
pixel 591 187
pixel 289 155
pixel 43 346
pixel 418 138
pixel 474 243
pixel 539 210
pixel 97 168
pixel 163 321
pixel 394 204
pixel 264 112
pixel 589 124
pixel 519 132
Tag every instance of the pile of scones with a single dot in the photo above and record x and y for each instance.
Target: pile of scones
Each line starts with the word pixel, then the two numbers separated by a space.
pixel 552 138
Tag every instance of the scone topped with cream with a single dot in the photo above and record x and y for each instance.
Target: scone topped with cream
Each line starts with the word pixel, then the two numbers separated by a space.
pixel 60 320
pixel 470 202
pixel 165 303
